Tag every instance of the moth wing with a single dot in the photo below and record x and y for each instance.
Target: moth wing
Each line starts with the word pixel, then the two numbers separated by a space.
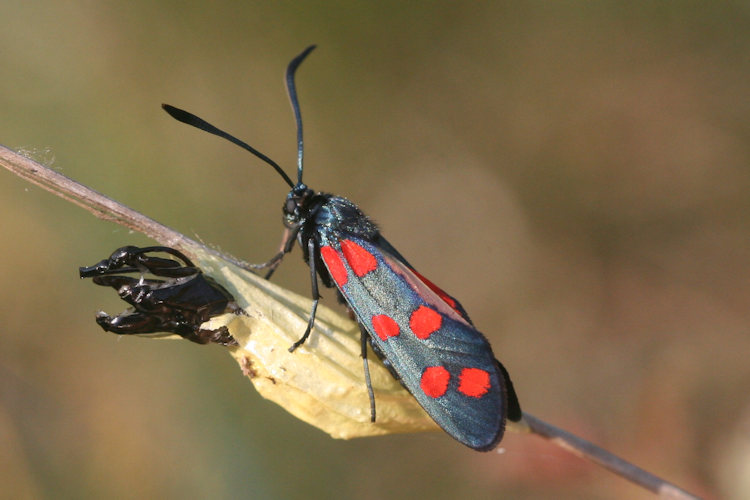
pixel 445 363
pixel 390 252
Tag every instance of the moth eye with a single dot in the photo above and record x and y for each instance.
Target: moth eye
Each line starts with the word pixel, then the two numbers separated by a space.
pixel 290 207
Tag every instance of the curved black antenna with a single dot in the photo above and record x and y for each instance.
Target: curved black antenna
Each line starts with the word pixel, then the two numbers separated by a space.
pixel 189 118
pixel 291 88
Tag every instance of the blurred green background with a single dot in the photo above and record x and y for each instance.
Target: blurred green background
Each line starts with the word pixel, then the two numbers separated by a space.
pixel 576 172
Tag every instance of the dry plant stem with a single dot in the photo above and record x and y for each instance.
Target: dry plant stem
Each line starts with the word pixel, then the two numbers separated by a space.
pixel 98 204
pixel 106 208
pixel 600 456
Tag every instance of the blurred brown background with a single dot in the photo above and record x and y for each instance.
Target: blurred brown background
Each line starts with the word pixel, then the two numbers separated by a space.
pixel 576 173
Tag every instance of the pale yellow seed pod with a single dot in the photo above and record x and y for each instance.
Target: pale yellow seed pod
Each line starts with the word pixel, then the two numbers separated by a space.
pixel 322 382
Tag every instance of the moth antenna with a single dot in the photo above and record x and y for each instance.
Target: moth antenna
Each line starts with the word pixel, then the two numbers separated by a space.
pixel 291 88
pixel 197 122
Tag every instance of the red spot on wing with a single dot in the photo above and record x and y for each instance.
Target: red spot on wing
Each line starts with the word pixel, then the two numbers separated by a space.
pixel 385 326
pixel 360 260
pixel 434 381
pixel 424 322
pixel 474 382
pixel 335 265
pixel 440 293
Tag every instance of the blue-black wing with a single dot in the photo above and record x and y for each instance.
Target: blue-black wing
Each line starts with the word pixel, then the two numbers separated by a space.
pixel 425 335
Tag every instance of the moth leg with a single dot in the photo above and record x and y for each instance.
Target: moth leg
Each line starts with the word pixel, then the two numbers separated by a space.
pixel 287 243
pixel 313 253
pixel 366 366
